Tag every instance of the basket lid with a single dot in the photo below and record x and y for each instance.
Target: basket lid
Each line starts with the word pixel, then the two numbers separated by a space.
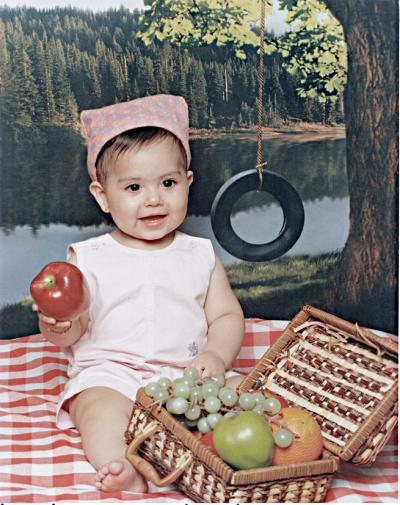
pixel 344 375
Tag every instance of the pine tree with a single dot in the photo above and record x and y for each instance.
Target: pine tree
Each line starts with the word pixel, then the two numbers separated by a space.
pixel 150 83
pixel 7 104
pixel 41 72
pixel 216 89
pixel 135 68
pixel 24 90
pixel 183 68
pixel 93 76
pixel 125 78
pixel 198 103
pixel 61 84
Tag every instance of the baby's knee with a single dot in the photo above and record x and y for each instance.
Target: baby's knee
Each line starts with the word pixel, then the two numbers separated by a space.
pixel 83 404
pixel 93 403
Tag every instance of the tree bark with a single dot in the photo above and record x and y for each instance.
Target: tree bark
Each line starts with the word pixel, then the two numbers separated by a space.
pixel 365 284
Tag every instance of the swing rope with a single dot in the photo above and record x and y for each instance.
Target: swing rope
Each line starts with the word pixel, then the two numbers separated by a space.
pixel 244 182
pixel 261 71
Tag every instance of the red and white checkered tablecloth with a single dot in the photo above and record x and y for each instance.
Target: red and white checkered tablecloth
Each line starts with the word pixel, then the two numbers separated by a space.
pixel 41 464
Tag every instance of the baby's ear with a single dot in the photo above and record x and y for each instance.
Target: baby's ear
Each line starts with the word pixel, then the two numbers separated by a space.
pixel 98 192
pixel 189 175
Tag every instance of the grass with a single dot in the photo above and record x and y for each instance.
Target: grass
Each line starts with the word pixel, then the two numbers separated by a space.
pixel 273 290
pixel 17 320
pixel 278 289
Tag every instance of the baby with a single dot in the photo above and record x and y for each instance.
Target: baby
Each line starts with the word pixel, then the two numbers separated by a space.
pixel 160 299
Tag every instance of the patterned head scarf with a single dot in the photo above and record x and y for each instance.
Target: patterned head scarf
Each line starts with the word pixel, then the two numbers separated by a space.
pixel 164 111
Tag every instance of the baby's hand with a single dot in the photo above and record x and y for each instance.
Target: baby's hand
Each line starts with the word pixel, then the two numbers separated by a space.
pixel 209 363
pixel 49 324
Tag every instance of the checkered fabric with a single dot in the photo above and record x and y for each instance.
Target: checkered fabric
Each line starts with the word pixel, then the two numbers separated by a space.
pixel 41 464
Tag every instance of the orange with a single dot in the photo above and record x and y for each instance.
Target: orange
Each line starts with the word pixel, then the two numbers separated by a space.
pixel 307 442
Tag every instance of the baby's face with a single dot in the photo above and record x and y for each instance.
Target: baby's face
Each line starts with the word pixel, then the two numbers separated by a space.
pixel 146 192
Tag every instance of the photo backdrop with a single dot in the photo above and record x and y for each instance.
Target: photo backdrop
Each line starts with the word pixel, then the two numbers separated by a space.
pixel 60 61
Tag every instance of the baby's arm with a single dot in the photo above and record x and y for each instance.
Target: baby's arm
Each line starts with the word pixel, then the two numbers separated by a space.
pixel 225 325
pixel 62 333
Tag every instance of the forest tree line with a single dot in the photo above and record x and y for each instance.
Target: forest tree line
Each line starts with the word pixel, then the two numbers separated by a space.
pixel 55 63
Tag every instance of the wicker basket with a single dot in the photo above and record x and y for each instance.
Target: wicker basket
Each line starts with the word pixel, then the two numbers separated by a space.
pixel 166 452
pixel 346 377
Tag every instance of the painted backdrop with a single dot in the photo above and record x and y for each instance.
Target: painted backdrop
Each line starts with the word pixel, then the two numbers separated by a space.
pixel 59 61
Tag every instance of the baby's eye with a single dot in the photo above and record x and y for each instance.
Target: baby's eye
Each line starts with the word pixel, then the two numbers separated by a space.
pixel 168 183
pixel 133 187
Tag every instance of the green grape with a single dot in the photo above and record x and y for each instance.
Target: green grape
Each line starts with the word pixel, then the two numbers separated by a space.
pixel 219 378
pixel 177 405
pixel 228 396
pixel 191 372
pixel 161 395
pixel 209 389
pixel 176 381
pixel 283 438
pixel 188 381
pixel 259 398
pixel 272 405
pixel 213 419
pixel 151 388
pixel 203 426
pixel 181 390
pixel 196 394
pixel 229 415
pixel 189 423
pixel 259 409
pixel 246 401
pixel 164 382
pixel 212 404
pixel 169 405
pixel 193 413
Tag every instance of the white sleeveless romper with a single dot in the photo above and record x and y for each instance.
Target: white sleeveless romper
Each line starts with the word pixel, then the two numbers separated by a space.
pixel 146 315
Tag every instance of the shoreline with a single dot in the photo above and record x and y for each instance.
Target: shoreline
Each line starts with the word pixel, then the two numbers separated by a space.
pixel 302 132
pixel 258 286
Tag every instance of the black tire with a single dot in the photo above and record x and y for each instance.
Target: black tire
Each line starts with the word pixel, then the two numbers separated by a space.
pixel 228 195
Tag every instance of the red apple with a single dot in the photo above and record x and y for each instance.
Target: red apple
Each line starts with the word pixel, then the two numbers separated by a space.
pixel 207 440
pixel 60 291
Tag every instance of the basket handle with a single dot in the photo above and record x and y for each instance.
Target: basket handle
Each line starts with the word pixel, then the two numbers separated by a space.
pixel 146 468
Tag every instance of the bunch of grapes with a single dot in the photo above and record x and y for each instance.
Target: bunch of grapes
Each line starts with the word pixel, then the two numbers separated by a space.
pixel 200 404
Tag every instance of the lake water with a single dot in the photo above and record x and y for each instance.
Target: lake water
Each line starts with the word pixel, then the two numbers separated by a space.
pixel 45 204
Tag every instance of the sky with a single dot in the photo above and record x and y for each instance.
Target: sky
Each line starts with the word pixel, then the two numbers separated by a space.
pixel 275 22
pixel 94 5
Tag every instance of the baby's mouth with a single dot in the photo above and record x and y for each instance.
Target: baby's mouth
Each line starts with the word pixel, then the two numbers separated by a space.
pixel 155 219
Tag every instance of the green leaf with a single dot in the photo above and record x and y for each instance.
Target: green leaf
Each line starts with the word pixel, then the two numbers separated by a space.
pixel 327 57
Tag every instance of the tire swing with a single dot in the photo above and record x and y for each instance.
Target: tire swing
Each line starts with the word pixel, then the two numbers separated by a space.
pixel 259 180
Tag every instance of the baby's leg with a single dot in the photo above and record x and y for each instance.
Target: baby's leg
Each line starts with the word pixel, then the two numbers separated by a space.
pixel 101 416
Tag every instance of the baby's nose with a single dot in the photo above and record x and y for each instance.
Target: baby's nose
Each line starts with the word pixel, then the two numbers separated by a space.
pixel 153 197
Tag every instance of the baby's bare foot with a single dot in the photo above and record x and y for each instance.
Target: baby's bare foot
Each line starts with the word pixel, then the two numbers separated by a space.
pixel 120 476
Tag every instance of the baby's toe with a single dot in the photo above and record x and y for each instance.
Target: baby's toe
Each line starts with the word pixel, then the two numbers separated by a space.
pixel 101 473
pixel 116 467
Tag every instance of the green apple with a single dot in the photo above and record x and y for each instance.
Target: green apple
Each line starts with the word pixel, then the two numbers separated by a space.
pixel 244 441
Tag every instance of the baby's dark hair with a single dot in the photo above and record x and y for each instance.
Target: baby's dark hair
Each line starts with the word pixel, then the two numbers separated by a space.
pixel 130 139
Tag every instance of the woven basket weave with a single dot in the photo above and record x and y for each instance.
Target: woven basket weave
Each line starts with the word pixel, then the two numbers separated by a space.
pixel 346 377
pixel 166 452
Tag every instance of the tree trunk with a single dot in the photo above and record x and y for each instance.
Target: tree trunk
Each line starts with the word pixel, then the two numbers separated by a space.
pixel 365 285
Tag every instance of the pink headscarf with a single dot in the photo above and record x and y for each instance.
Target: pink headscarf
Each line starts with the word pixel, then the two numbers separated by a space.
pixel 164 111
